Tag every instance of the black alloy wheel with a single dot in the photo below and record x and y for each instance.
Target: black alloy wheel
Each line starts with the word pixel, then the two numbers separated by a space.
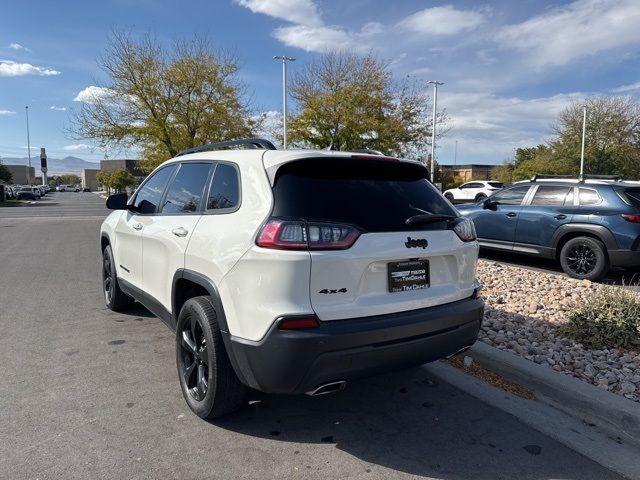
pixel 194 364
pixel 584 258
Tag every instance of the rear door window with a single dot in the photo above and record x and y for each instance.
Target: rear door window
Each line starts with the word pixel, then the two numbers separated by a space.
pixel 552 195
pixel 377 196
pixel 186 189
pixel 496 184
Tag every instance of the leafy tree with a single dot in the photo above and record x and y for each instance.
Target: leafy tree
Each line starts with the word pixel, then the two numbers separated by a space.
pixel 103 178
pixel 5 174
pixel 69 179
pixel 348 102
pixel 612 141
pixel 163 101
pixel 120 179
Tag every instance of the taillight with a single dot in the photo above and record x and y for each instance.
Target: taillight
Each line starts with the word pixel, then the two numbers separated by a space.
pixel 632 218
pixel 296 235
pixel 299 323
pixel 464 228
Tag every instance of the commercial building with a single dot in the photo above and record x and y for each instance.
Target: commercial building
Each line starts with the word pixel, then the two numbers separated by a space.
pixel 88 178
pixel 22 174
pixel 134 166
pixel 470 171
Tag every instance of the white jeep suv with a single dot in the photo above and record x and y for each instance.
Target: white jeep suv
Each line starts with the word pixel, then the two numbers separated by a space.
pixel 475 191
pixel 292 271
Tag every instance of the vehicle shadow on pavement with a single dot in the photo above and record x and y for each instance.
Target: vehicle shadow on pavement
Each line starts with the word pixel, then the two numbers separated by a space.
pixel 412 423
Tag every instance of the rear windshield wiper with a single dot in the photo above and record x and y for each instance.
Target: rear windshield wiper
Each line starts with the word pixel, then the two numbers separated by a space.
pixel 428 218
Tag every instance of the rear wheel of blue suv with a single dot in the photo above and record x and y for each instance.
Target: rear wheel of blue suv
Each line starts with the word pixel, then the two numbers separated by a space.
pixel 587 225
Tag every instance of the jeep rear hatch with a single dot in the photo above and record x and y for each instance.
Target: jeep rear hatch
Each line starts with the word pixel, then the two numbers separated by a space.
pixel 381 237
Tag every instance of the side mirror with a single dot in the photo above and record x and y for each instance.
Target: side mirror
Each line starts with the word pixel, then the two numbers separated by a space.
pixel 488 204
pixel 117 201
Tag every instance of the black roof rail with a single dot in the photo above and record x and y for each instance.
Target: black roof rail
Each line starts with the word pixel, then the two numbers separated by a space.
pixel 591 176
pixel 549 176
pixel 246 142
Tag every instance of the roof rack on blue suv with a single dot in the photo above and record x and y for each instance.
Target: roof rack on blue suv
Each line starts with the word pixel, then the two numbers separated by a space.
pixel 243 142
pixel 581 178
pixel 588 225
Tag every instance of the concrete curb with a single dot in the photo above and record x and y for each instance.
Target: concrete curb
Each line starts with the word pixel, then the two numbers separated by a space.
pixel 616 415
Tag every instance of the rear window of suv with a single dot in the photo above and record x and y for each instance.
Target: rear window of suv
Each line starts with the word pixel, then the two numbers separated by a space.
pixel 632 196
pixel 375 195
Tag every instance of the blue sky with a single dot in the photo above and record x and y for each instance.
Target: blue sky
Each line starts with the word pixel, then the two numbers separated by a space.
pixel 508 66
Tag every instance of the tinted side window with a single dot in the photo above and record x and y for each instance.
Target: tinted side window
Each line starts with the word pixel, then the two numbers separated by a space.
pixel 225 189
pixel 550 195
pixel 588 196
pixel 148 196
pixel 511 196
pixel 185 191
pixel 475 185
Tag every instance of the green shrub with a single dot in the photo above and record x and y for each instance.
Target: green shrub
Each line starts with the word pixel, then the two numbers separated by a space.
pixel 611 319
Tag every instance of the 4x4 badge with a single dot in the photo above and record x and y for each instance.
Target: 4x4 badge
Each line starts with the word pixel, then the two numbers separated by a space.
pixel 327 291
pixel 416 243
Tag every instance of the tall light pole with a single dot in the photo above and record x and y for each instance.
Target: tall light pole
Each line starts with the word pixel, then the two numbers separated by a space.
pixel 435 84
pixel 584 128
pixel 284 60
pixel 26 109
pixel 455 155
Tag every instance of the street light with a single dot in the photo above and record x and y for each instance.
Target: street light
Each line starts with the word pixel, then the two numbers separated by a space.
pixel 284 60
pixel 26 109
pixel 584 127
pixel 435 84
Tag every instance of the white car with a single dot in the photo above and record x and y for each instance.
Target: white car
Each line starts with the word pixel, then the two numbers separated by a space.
pixel 474 191
pixel 67 188
pixel 292 271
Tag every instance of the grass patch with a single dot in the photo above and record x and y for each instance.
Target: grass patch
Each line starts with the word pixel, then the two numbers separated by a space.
pixel 12 203
pixel 611 319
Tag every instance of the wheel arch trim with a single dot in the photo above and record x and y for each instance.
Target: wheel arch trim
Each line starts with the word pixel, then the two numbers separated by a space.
pixel 602 233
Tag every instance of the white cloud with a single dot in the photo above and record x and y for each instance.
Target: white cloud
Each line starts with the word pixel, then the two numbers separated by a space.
pixel 314 39
pixel 92 93
pixel 7 112
pixel 577 30
pixel 79 147
pixel 303 12
pixel 627 88
pixel 17 46
pixel 9 68
pixel 488 126
pixel 58 109
pixel 445 20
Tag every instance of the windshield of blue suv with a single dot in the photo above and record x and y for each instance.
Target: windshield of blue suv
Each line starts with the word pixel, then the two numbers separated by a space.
pixel 377 196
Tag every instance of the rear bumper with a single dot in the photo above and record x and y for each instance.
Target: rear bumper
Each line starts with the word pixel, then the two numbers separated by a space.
pixel 299 361
pixel 624 258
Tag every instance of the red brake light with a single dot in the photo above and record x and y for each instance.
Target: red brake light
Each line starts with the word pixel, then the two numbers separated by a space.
pixel 296 235
pixel 632 218
pixel 299 323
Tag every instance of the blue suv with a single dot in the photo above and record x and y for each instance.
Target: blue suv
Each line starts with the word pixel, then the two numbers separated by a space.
pixel 588 224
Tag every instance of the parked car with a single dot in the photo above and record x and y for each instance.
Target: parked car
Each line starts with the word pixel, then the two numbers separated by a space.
pixel 292 271
pixel 68 188
pixel 85 189
pixel 474 191
pixel 27 193
pixel 8 192
pixel 588 224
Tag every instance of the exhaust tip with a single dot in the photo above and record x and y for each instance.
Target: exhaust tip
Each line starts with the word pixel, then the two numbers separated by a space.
pixel 327 388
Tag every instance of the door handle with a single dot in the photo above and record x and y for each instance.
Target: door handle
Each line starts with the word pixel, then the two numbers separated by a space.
pixel 137 226
pixel 511 214
pixel 560 217
pixel 180 232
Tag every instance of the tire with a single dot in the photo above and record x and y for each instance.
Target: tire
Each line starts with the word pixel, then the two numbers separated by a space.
pixel 584 258
pixel 207 379
pixel 114 298
pixel 481 197
pixel 449 197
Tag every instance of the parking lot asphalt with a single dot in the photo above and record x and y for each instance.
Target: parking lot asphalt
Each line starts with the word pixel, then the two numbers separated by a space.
pixel 88 393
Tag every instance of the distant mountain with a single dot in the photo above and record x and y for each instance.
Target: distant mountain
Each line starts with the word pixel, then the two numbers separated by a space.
pixel 56 166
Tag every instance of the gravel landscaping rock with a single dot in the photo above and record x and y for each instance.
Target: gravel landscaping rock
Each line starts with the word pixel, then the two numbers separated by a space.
pixel 524 309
